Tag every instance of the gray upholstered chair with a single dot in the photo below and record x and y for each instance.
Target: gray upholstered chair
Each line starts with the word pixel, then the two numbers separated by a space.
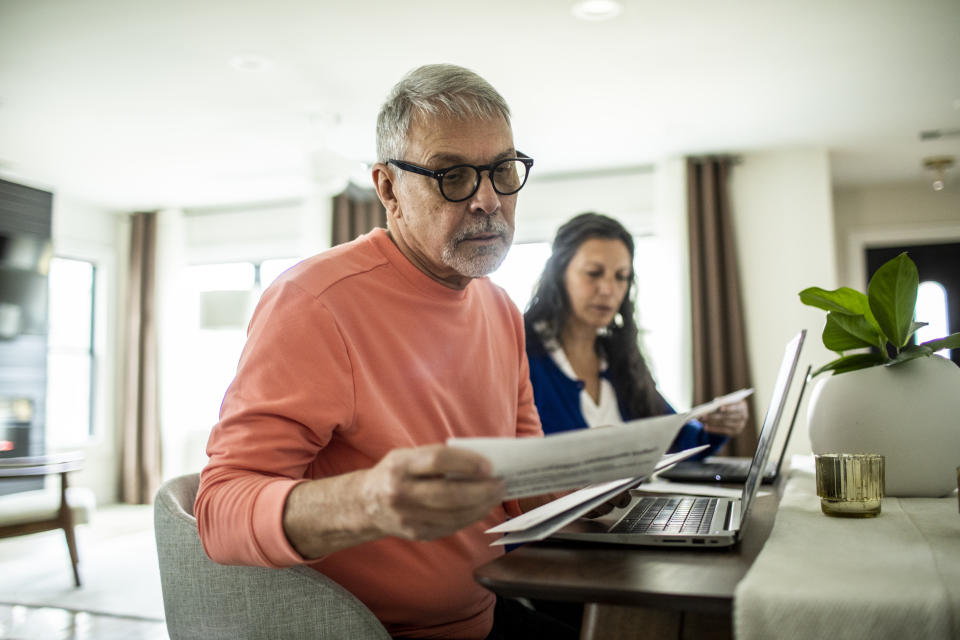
pixel 206 600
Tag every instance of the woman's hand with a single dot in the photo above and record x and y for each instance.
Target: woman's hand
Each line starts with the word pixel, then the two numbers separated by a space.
pixel 728 420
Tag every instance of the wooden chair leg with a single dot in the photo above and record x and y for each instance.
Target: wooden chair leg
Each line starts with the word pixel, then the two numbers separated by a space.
pixel 66 522
pixel 74 559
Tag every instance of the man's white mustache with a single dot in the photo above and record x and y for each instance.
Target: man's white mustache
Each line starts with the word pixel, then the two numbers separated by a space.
pixel 498 227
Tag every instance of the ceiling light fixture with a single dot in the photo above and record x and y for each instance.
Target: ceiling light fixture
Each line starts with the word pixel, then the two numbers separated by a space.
pixel 939 165
pixel 596 10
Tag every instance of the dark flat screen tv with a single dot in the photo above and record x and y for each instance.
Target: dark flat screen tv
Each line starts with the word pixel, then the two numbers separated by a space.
pixel 24 266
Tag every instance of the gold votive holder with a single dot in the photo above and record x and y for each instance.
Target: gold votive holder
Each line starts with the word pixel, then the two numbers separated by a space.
pixel 850 485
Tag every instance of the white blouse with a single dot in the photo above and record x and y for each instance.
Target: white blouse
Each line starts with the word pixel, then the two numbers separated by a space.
pixel 604 412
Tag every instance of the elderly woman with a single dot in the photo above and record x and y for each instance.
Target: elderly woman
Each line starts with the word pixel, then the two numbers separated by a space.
pixel 585 360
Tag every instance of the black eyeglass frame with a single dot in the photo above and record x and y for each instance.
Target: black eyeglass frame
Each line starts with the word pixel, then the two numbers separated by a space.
pixel 437 175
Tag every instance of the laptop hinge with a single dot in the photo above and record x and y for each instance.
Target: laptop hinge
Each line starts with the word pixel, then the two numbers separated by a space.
pixel 733 516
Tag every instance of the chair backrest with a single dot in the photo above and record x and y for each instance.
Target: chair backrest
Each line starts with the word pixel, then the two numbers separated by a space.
pixel 206 600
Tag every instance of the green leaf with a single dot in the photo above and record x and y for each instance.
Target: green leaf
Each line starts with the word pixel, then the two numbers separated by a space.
pixel 843 332
pixel 842 300
pixel 845 301
pixel 851 363
pixel 914 326
pixel 950 342
pixel 892 294
pixel 910 353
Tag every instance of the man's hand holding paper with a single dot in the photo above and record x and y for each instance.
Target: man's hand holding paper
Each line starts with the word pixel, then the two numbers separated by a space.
pixel 573 459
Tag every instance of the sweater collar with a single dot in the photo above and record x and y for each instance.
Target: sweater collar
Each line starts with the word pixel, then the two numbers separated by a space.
pixel 381 240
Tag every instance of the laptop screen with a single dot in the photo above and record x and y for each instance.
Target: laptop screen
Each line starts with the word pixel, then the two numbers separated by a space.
pixel 781 388
pixel 793 419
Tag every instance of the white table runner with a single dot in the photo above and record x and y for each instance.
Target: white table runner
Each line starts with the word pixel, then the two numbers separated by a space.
pixel 894 576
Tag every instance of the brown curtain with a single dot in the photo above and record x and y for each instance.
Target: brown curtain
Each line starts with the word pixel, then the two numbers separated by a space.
pixel 140 457
pixel 355 212
pixel 719 340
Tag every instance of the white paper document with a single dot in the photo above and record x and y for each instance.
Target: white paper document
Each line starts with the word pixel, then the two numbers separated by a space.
pixel 554 515
pixel 574 459
pixel 716 403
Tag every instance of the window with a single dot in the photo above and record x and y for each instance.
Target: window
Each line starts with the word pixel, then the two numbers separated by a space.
pixel 71 361
pixel 223 297
pixel 520 269
pixel 270 270
pixel 932 309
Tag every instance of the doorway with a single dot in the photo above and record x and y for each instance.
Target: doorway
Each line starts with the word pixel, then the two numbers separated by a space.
pixel 939 263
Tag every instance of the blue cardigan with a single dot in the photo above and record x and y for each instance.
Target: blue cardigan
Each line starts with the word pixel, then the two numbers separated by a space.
pixel 558 402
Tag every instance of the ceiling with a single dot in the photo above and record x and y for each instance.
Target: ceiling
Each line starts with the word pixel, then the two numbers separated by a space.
pixel 131 104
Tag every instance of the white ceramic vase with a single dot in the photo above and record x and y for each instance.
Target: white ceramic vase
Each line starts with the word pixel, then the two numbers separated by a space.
pixel 909 413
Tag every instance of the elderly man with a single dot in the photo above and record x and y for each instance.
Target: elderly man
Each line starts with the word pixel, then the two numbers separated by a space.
pixel 361 361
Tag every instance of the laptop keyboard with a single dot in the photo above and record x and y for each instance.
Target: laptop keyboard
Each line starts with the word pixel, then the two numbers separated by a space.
pixel 669 515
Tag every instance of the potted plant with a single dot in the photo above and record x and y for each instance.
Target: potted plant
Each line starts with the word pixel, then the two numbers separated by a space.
pixel 898 399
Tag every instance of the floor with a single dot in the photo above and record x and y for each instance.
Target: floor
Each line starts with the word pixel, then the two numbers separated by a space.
pixel 18 622
pixel 117 565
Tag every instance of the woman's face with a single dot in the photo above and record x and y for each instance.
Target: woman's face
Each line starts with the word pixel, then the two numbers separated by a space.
pixel 596 280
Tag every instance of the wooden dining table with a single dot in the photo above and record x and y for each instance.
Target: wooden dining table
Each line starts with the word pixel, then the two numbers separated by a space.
pixel 637 592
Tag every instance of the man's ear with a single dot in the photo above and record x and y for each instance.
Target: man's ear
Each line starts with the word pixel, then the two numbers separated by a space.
pixel 384 183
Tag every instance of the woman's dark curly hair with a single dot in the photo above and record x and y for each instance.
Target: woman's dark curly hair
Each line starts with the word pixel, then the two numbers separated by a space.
pixel 549 310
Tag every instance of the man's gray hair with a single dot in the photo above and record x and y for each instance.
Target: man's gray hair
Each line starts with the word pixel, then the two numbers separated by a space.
pixel 434 90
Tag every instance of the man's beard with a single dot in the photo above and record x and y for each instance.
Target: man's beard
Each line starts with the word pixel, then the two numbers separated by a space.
pixel 477 261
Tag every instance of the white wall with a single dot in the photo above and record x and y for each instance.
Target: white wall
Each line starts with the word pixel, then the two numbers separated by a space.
pixel 85 232
pixel 546 202
pixel 888 215
pixel 254 233
pixel 783 221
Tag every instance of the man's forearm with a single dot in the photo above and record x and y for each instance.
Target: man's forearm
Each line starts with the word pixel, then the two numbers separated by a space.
pixel 327 515
pixel 421 493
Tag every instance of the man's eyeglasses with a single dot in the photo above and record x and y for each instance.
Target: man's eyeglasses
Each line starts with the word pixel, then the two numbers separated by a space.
pixel 460 182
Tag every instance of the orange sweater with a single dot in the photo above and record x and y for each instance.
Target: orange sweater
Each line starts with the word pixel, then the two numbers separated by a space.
pixel 350 354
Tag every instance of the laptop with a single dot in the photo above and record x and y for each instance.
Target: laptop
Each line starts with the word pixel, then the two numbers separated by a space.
pixel 734 469
pixel 695 521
